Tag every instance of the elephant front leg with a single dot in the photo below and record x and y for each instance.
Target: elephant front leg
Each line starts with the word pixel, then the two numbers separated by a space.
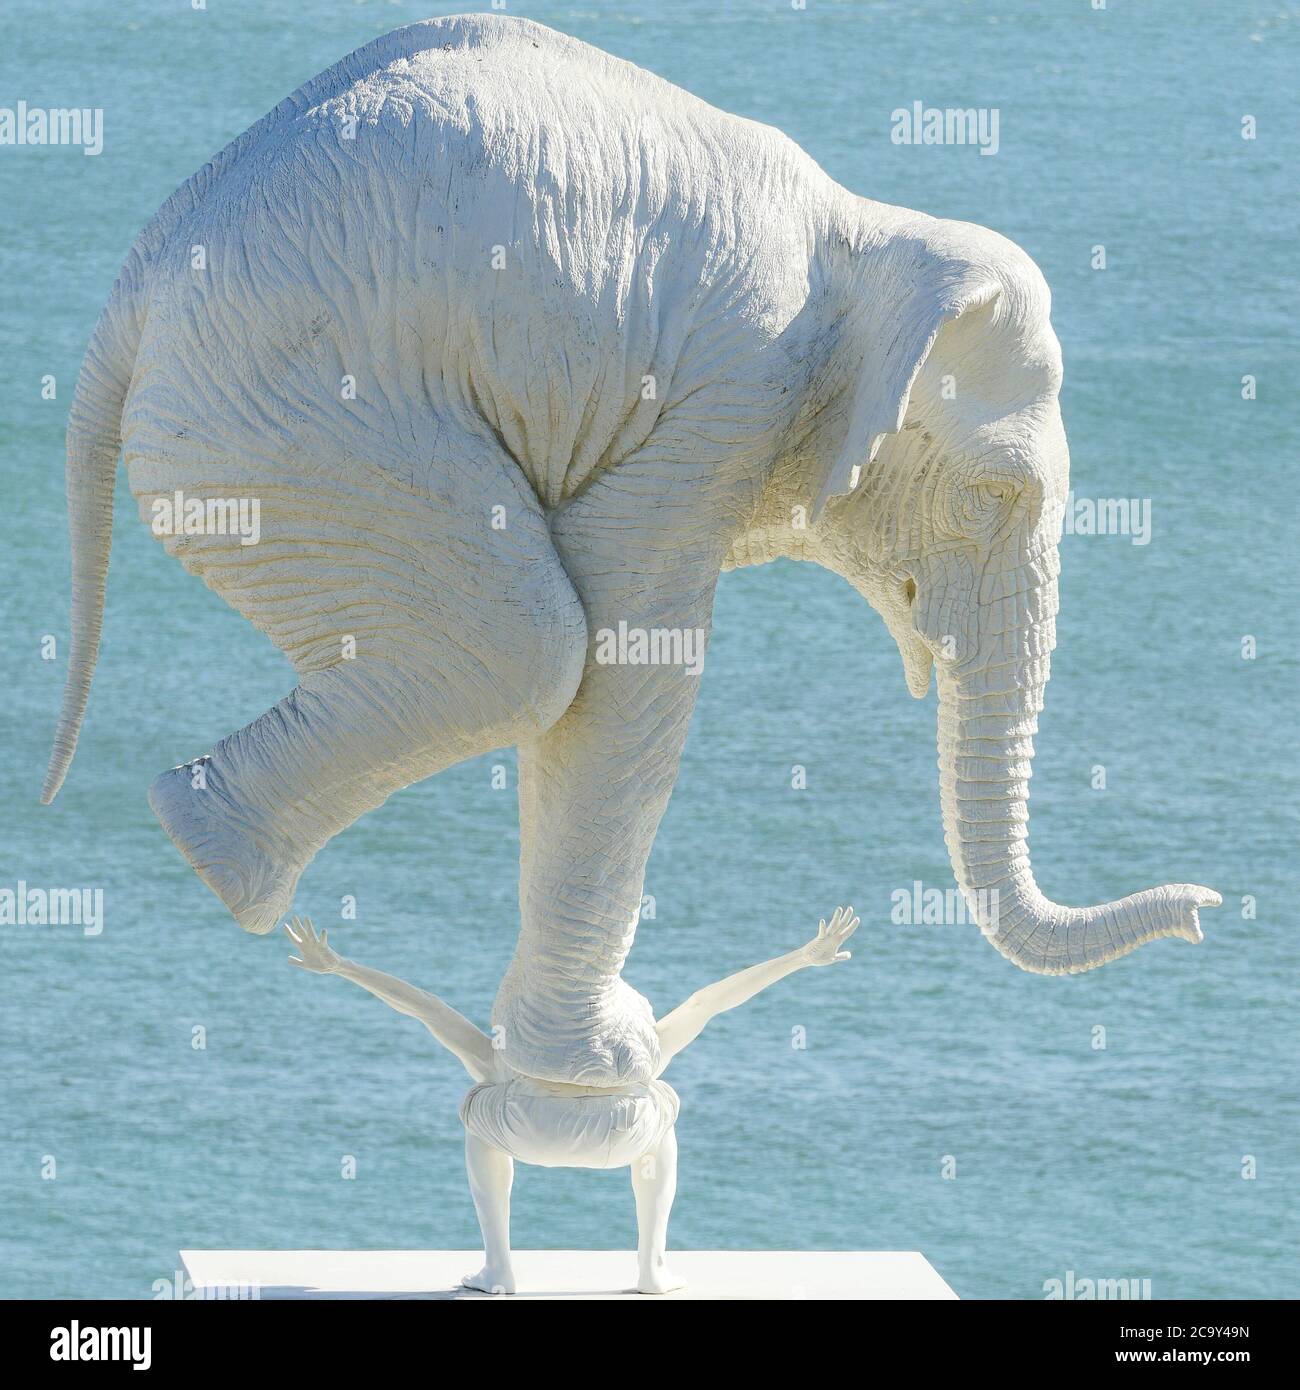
pixel 592 791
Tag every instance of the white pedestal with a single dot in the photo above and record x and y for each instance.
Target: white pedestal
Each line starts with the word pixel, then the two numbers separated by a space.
pixel 764 1274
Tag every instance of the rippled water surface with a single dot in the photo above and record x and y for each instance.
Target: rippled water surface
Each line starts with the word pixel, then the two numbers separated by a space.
pixel 1119 129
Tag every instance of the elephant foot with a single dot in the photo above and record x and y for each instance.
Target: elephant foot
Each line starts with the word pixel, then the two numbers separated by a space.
pixel 220 843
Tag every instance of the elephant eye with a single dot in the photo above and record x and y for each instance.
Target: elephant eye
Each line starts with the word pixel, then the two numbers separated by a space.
pixel 983 506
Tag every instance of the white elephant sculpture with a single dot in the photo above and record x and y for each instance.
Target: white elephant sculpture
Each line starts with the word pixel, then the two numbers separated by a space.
pixel 518 346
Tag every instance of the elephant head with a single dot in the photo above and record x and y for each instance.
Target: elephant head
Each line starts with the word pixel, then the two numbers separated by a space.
pixel 942 503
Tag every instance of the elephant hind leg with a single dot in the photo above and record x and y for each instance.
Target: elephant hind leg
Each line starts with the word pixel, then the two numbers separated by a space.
pixel 442 648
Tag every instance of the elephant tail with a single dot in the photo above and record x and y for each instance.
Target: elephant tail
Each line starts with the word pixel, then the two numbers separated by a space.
pixel 94 441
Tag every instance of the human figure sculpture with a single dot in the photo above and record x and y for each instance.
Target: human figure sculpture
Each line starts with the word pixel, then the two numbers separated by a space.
pixel 509 1116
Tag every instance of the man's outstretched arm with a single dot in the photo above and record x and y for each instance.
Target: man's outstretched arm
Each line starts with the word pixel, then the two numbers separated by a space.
pixel 688 1020
pixel 454 1031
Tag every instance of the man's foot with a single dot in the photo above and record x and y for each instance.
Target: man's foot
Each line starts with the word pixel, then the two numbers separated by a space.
pixel 656 1277
pixel 492 1279
pixel 222 846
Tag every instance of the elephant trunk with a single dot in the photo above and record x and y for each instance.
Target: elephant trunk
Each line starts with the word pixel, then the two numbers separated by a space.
pixel 988 715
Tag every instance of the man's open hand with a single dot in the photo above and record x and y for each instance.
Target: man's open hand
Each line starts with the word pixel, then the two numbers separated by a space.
pixel 827 947
pixel 317 955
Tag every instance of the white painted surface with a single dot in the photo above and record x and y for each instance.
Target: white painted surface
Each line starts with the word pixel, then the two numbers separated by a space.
pixel 766 1274
pixel 478 272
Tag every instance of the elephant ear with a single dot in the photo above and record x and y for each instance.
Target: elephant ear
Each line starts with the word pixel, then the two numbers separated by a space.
pixel 900 329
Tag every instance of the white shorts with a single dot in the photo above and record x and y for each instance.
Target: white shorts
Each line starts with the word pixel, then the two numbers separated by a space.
pixel 557 1131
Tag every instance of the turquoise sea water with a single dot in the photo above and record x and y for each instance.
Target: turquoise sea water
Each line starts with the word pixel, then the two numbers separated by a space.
pixel 1120 128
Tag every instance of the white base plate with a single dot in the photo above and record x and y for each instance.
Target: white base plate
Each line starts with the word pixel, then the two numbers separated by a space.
pixel 765 1274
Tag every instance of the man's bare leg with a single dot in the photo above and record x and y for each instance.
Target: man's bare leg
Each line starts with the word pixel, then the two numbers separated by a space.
pixel 491 1175
pixel 654 1183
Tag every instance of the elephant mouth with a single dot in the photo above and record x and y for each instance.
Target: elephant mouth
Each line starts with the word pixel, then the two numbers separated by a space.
pixel 918 663
pixel 918 659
